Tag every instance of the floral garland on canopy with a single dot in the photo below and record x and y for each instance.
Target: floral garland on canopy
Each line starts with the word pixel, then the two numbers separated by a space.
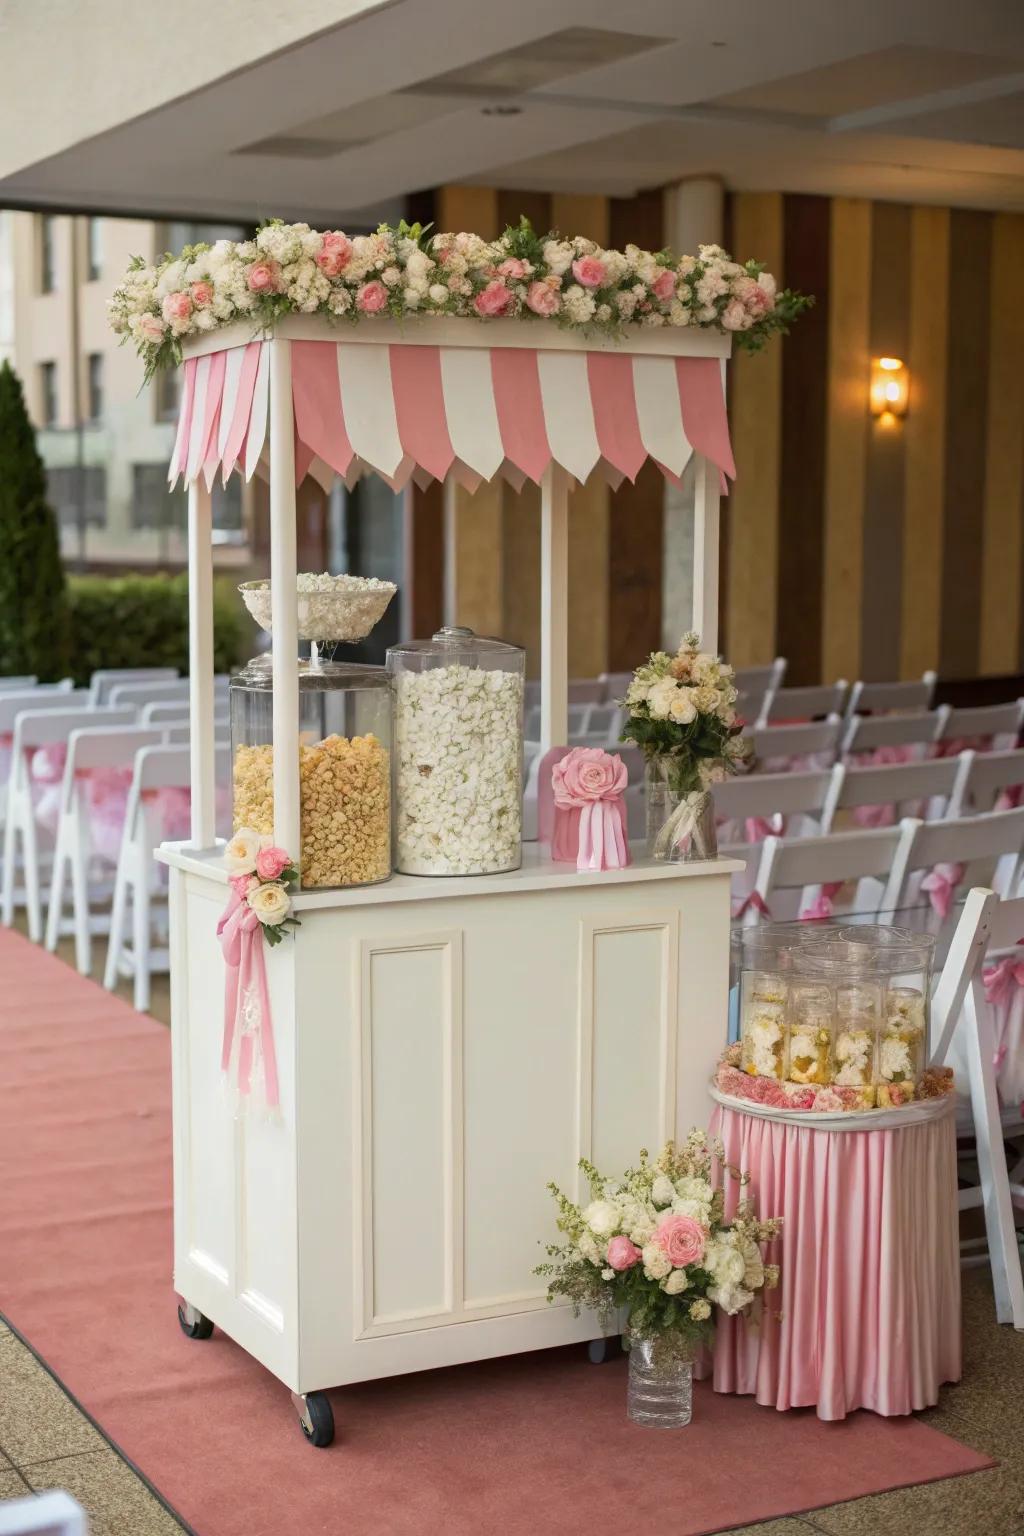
pixel 575 283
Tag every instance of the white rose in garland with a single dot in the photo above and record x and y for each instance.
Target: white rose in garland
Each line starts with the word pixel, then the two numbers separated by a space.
pixel 240 853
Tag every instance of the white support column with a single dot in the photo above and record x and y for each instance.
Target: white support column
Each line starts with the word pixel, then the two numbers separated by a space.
pixel 200 663
pixel 283 600
pixel 554 608
pixel 706 494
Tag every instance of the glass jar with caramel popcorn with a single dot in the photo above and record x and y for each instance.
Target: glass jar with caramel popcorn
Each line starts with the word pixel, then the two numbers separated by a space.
pixel 344 751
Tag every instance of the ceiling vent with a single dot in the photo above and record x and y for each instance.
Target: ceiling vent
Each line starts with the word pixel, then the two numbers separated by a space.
pixel 540 62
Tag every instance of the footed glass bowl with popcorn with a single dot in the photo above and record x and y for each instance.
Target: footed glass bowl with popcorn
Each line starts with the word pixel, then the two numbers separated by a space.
pixel 331 609
pixel 833 1020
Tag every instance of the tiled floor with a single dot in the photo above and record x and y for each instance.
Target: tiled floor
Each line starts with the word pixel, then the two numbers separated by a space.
pixel 46 1442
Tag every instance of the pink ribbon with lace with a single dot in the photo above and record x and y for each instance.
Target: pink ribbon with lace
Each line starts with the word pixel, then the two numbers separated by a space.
pixel 248 1038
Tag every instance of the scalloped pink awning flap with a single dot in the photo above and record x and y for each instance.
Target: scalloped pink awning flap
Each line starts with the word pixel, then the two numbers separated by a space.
pixel 472 413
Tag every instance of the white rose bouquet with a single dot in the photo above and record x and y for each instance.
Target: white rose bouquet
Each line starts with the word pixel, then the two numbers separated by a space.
pixel 657 1243
pixel 680 712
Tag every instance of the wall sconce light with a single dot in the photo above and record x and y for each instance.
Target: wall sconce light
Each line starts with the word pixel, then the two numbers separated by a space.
pixel 890 387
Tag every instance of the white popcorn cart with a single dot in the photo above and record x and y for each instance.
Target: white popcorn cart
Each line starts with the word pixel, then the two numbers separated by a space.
pixel 445 1046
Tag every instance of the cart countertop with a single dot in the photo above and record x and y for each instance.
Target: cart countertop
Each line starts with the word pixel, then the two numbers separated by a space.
pixel 538 872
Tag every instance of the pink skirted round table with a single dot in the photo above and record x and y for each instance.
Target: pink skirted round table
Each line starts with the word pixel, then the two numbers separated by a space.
pixel 868 1310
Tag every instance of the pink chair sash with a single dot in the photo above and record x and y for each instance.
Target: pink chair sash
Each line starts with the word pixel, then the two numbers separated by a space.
pixel 248 1026
pixel 752 902
pixel 941 884
pixel 821 907
pixel 1004 994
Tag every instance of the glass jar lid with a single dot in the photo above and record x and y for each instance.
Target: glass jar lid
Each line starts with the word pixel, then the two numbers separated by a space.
pixel 313 675
pixel 454 641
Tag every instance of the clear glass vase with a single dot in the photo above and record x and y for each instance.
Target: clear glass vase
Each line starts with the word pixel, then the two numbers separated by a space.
pixel 660 1393
pixel 680 823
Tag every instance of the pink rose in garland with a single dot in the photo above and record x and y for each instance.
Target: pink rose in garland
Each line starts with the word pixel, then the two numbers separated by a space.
pixel 334 254
pixel 264 277
pixel 513 267
pixel 590 272
pixel 682 1240
pixel 494 300
pixel 371 298
pixel 177 306
pixel 542 298
pixel 664 285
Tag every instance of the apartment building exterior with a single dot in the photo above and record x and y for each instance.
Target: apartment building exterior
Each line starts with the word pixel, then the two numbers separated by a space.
pixel 106 441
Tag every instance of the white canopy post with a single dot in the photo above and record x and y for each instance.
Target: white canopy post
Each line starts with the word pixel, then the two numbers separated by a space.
pixel 554 608
pixel 706 494
pixel 200 662
pixel 283 571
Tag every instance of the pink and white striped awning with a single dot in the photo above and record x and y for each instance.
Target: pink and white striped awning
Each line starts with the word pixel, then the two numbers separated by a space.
pixel 474 412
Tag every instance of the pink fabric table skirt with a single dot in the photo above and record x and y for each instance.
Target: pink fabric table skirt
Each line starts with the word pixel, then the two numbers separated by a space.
pixel 868 1311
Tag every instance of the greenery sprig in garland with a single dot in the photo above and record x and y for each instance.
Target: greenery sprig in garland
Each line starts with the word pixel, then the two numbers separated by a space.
pixel 408 270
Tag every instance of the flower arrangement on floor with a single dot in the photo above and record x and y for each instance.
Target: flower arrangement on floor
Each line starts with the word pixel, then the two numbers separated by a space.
pixel 680 712
pixel 656 1243
pixel 403 271
pixel 261 876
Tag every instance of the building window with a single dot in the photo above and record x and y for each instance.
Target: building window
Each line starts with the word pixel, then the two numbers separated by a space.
pixel 155 506
pixel 67 483
pixel 94 386
pixel 47 254
pixel 94 249
pixel 168 394
pixel 48 394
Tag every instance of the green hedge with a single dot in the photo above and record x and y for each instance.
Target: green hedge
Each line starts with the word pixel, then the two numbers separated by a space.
pixel 142 621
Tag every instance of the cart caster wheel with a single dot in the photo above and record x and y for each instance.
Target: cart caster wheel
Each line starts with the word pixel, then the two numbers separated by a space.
pixel 316 1417
pixel 192 1322
pixel 600 1351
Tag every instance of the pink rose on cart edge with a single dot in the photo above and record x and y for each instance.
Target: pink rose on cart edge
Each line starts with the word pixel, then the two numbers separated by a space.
pixel 272 862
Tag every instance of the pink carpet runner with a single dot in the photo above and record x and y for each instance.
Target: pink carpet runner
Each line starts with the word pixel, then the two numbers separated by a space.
pixel 533 1443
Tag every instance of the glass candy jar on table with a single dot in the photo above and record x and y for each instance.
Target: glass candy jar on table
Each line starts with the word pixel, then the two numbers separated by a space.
pixel 458 778
pixel 344 745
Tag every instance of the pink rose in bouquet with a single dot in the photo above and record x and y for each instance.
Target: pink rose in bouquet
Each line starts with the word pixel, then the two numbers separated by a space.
pixel 271 863
pixel 495 300
pixel 588 773
pixel 664 285
pixel 622 1254
pixel 590 272
pixel 152 329
pixel 682 1239
pixel 202 294
pixel 513 267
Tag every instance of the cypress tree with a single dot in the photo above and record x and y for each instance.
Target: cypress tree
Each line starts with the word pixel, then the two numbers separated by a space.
pixel 33 591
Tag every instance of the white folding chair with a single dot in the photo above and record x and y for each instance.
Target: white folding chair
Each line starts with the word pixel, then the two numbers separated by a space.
pixel 897 789
pixel 586 690
pixel 38 723
pixel 996 725
pixel 90 751
pixel 157 769
pixel 105 679
pixel 177 713
pixel 799 867
pixel 891 698
pixel 614 685
pixel 598 723
pixel 141 694
pixel 799 704
pixel 759 805
pixel 809 746
pixel 43 1514
pixel 19 684
pixel 973 844
pixel 767 677
pixel 12 702
pixel 989 775
pixel 962 1028
pixel 868 733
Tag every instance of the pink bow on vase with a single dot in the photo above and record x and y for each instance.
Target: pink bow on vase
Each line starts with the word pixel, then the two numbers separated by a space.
pixel 590 820
pixel 821 907
pixel 248 1027
pixel 941 886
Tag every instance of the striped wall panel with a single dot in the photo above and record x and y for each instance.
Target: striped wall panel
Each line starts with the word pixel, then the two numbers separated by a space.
pixel 895 546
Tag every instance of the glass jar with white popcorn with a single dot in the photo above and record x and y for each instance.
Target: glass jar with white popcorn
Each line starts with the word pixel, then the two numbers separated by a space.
pixel 902 960
pixel 763 1012
pixel 458 758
